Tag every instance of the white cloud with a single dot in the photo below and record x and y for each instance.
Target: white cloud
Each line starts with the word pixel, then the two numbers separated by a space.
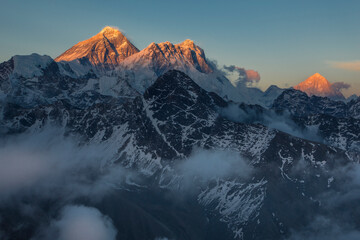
pixel 78 222
pixel 42 165
pixel 203 166
pixel 212 164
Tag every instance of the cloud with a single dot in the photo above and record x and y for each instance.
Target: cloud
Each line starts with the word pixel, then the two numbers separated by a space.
pixel 37 169
pixel 338 86
pixel 245 77
pixel 78 222
pixel 282 122
pixel 202 167
pixel 207 165
pixel 252 76
pixel 20 169
pixel 45 166
pixel 349 65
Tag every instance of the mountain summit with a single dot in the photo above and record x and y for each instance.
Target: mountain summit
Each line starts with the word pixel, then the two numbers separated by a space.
pixel 158 58
pixel 164 56
pixel 318 85
pixel 106 49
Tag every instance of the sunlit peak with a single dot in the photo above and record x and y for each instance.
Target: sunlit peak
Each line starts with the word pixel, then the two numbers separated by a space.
pixel 109 29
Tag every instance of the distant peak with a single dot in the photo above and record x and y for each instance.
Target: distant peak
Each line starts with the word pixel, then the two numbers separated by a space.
pixel 318 85
pixel 314 81
pixel 272 87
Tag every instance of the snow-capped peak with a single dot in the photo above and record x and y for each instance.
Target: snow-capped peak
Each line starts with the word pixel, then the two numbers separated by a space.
pixel 106 49
pixel 316 80
pixel 165 56
pixel 318 85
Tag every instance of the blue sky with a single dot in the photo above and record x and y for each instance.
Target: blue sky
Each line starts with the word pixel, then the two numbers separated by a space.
pixel 285 41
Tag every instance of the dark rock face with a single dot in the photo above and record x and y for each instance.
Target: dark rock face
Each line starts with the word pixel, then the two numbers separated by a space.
pixel 153 132
pixel 336 121
pixel 300 104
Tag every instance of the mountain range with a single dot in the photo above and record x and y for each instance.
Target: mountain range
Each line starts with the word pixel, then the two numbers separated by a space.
pixel 164 146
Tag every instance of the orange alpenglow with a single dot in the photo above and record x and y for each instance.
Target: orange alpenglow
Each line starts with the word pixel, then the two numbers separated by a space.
pixel 165 55
pixel 319 86
pixel 106 49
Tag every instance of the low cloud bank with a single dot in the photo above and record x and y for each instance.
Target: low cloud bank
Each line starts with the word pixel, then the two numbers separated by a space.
pixel 48 165
pixel 281 122
pixel 202 167
pixel 207 165
pixel 38 169
pixel 45 167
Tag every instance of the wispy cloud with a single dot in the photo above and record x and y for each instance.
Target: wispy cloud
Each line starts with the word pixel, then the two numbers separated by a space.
pixel 247 77
pixel 349 65
pixel 338 86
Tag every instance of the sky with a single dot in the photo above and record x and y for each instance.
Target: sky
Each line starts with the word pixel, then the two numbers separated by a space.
pixel 285 41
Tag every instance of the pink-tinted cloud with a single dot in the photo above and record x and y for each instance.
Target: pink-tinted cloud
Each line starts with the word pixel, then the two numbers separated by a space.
pixel 248 77
pixel 349 65
pixel 252 76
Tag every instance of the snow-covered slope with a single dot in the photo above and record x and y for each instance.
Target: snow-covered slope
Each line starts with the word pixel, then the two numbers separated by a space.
pixel 156 59
pixel 34 79
pixel 160 57
pixel 31 65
